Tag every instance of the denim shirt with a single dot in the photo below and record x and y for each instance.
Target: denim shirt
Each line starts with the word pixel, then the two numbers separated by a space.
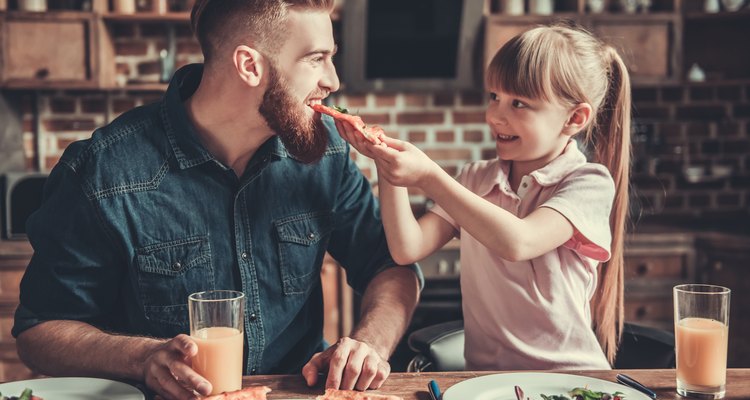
pixel 141 215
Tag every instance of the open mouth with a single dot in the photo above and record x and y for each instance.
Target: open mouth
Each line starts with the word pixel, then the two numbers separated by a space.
pixel 506 138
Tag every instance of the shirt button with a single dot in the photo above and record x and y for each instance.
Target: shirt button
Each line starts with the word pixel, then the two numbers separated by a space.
pixel 253 371
pixel 252 317
pixel 176 266
pixel 311 236
pixel 244 255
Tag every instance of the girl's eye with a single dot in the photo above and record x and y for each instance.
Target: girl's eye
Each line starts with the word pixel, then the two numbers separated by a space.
pixel 518 104
pixel 493 96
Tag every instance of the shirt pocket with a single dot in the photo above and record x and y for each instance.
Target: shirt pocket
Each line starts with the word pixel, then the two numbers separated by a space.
pixel 168 273
pixel 301 244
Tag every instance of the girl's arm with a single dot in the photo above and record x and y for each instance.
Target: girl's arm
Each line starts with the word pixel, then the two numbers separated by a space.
pixel 505 234
pixel 409 239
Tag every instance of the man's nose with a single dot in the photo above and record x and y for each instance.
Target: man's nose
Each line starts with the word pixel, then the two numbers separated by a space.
pixel 330 80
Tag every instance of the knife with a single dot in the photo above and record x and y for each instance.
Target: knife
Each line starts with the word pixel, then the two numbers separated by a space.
pixel 628 381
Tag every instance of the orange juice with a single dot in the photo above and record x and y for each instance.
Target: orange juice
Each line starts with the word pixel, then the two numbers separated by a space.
pixel 219 357
pixel 701 347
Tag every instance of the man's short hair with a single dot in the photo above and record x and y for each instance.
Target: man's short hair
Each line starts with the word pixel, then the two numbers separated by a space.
pixel 222 24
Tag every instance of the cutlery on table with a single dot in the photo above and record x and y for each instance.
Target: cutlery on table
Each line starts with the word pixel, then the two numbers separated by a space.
pixel 628 381
pixel 434 390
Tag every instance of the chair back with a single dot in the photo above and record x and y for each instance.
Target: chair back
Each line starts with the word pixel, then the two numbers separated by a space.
pixel 440 347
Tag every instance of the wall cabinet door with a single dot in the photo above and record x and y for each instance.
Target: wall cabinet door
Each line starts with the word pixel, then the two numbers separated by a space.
pixel 726 262
pixel 48 49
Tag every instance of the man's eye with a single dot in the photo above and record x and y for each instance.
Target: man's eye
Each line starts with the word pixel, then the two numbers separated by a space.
pixel 518 104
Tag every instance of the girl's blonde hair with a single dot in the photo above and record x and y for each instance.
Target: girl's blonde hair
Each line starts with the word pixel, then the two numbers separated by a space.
pixel 570 65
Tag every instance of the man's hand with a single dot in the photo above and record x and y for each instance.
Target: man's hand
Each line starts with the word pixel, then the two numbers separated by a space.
pixel 167 370
pixel 351 364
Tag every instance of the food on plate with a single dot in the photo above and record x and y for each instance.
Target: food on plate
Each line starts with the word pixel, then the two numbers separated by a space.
pixel 248 393
pixel 25 395
pixel 576 394
pixel 336 394
pixel 374 134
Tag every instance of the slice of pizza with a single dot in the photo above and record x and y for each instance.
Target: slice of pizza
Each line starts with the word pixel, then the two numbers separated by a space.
pixel 336 394
pixel 373 134
pixel 248 393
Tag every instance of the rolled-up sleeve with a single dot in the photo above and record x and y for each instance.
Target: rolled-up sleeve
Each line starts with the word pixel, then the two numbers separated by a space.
pixel 358 241
pixel 74 273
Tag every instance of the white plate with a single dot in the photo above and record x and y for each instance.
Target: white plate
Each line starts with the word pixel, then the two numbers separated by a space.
pixel 74 389
pixel 501 386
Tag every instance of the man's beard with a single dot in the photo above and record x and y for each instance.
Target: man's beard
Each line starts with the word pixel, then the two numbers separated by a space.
pixel 305 138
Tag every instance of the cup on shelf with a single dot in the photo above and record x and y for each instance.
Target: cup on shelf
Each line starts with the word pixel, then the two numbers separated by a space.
pixel 596 6
pixel 732 5
pixel 512 7
pixel 711 6
pixel 32 5
pixel 629 6
pixel 123 6
pixel 541 7
pixel 160 6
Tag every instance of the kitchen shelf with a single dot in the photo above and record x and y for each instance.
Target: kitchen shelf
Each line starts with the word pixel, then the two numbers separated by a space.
pixel 725 15
pixel 139 87
pixel 148 17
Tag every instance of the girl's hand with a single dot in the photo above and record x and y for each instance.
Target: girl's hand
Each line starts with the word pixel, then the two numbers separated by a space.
pixel 348 133
pixel 402 164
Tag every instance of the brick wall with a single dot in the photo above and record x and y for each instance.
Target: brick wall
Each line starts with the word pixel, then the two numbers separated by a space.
pixel 676 126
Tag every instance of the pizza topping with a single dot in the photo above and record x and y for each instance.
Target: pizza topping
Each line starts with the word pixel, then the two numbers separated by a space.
pixel 336 394
pixel 248 393
pixel 372 134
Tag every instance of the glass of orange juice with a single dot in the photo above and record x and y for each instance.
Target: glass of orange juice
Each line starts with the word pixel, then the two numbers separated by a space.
pixel 217 327
pixel 701 316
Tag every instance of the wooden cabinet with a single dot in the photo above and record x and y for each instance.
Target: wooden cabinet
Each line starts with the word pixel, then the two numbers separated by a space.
pixel 14 257
pixel 654 264
pixel 646 42
pixel 52 49
pixel 725 261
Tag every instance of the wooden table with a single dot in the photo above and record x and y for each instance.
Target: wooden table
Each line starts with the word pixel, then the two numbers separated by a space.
pixel 413 386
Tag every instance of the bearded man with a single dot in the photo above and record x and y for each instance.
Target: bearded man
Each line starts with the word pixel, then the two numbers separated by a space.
pixel 231 181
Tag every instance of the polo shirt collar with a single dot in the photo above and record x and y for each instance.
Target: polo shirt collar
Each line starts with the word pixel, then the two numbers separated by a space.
pixel 498 173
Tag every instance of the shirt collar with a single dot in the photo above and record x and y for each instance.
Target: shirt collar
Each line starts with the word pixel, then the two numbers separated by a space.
pixel 498 170
pixel 181 133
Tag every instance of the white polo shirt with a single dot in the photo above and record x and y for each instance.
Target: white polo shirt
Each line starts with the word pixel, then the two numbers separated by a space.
pixel 535 314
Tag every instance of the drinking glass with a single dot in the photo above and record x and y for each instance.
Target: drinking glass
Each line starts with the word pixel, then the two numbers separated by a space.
pixel 701 316
pixel 217 327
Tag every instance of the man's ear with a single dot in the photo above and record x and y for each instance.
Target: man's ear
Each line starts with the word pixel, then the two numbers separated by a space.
pixel 578 119
pixel 249 64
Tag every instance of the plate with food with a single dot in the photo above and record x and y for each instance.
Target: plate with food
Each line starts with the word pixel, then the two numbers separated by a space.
pixel 69 389
pixel 540 386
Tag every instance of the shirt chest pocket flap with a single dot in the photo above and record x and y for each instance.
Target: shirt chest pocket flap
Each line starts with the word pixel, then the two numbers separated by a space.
pixel 302 243
pixel 168 272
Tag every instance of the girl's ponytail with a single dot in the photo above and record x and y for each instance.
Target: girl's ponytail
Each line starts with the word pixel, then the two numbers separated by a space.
pixel 611 137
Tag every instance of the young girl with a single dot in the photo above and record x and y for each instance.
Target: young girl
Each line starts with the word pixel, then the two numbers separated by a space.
pixel 541 228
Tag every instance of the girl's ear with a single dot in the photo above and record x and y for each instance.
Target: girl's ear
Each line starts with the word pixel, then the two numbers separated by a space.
pixel 579 117
pixel 248 63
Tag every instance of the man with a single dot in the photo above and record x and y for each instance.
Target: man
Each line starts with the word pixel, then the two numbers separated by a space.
pixel 230 182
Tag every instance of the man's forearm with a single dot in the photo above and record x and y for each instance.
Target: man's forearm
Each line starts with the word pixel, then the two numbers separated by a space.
pixel 68 348
pixel 387 306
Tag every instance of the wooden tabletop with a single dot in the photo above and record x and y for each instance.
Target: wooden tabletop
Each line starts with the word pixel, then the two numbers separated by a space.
pixel 413 386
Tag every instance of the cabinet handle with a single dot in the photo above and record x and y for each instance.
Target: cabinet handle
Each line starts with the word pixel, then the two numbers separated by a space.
pixel 718 266
pixel 643 269
pixel 42 73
